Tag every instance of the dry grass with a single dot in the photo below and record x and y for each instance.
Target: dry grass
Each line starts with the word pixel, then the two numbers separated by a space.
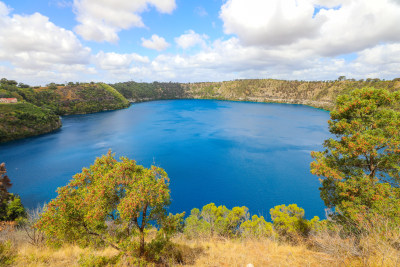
pixel 258 253
pixel 321 250
pixel 29 255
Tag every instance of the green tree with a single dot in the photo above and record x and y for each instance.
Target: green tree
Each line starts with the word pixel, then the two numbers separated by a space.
pixel 11 208
pixel 289 221
pixel 359 168
pixel 213 220
pixel 111 202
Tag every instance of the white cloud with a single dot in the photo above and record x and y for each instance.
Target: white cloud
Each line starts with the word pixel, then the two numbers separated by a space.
pixel 272 22
pixel 353 25
pixel 4 9
pixel 190 39
pixel 114 61
pixel 200 11
pixel 155 42
pixel 102 20
pixel 32 41
pixel 380 55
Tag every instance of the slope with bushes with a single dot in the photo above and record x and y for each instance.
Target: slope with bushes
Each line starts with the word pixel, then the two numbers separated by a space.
pixel 320 94
pixel 76 98
pixel 22 120
pixel 38 108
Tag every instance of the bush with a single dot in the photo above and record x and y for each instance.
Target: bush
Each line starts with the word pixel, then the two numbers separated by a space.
pixel 256 228
pixel 7 253
pixel 289 222
pixel 213 220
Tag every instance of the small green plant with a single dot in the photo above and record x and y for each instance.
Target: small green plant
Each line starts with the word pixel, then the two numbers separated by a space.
pixel 7 253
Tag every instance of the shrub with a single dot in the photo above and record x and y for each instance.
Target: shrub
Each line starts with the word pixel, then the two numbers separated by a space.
pixel 213 220
pixel 256 228
pixel 289 222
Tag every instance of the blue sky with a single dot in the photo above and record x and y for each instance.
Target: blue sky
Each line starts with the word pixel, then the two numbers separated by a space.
pixel 47 41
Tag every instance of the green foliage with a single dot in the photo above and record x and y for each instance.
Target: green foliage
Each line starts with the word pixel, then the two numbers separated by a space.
pixel 98 261
pixel 112 202
pixel 256 228
pixel 150 91
pixel 7 253
pixel 11 208
pixel 289 221
pixel 360 168
pixel 213 220
pixel 171 224
pixel 24 119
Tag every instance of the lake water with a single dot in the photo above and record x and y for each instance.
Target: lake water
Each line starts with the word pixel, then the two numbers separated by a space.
pixel 230 153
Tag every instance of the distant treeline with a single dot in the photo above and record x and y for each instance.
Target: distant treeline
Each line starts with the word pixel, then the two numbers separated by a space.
pixel 137 92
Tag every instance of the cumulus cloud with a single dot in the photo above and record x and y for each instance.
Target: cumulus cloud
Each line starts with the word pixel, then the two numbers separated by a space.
pixel 32 41
pixel 102 20
pixel 115 61
pixel 155 42
pixel 340 26
pixel 190 39
pixel 272 22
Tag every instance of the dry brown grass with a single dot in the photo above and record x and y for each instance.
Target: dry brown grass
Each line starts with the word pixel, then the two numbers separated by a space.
pixel 258 253
pixel 69 255
pixel 321 250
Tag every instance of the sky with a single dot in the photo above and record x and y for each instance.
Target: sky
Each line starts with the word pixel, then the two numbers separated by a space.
pixel 46 41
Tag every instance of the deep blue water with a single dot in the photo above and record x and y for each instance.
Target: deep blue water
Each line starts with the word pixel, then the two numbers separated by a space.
pixel 229 153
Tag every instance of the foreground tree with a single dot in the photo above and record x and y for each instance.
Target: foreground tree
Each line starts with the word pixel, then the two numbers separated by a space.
pixel 111 202
pixel 360 168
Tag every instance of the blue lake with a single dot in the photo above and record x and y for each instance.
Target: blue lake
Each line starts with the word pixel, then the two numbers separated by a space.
pixel 230 153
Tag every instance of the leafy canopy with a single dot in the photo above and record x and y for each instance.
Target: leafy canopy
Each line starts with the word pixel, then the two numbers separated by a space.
pixel 360 167
pixel 111 202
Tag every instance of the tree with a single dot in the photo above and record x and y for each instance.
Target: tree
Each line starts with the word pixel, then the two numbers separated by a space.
pixel 359 168
pixel 111 202
pixel 11 207
pixel 5 183
pixel 213 220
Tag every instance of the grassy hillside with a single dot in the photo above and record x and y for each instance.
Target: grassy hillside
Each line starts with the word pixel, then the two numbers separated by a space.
pixel 317 94
pixel 24 119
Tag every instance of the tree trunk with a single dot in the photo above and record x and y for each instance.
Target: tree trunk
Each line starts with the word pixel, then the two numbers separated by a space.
pixel 141 248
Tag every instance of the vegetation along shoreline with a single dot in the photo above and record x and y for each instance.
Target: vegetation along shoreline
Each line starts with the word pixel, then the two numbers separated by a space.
pixel 45 104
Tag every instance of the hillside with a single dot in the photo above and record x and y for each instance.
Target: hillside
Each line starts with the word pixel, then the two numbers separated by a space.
pixel 318 94
pixel 24 119
pixel 39 108
pixel 76 98
pixel 138 92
